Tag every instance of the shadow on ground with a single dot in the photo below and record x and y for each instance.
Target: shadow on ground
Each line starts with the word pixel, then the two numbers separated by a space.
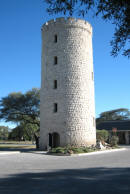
pixel 76 181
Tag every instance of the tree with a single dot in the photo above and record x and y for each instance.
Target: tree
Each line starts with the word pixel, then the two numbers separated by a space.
pixel 24 132
pixel 117 114
pixel 18 107
pixel 22 109
pixel 4 133
pixel 117 11
pixel 17 133
pixel 31 131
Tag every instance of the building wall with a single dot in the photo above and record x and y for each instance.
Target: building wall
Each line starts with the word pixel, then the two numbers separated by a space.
pixel 75 119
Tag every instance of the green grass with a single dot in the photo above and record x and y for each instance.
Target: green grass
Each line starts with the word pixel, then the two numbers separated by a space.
pixel 15 142
pixel 9 145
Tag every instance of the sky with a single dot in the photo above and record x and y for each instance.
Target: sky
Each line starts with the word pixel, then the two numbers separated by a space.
pixel 20 54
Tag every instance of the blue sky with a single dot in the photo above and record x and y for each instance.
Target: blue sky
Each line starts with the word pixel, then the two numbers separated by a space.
pixel 20 54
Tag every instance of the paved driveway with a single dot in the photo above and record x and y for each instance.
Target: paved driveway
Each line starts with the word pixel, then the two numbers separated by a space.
pixel 35 173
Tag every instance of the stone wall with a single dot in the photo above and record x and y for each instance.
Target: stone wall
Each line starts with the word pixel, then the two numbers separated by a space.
pixel 75 119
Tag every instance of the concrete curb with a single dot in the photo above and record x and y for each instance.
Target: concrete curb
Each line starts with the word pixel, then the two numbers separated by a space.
pixel 91 153
pixel 13 152
pixel 99 152
pixel 60 154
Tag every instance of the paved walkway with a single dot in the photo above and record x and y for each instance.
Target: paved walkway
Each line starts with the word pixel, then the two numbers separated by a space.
pixel 36 173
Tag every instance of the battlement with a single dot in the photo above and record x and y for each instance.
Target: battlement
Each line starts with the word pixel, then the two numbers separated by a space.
pixel 68 22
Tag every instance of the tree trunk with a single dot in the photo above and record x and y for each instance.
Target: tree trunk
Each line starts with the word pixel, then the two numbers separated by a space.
pixel 37 141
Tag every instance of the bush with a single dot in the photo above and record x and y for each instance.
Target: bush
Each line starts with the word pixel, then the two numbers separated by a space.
pixel 114 140
pixel 102 135
pixel 58 150
pixel 77 150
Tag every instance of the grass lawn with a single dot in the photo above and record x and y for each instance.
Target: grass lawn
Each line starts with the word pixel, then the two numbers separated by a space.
pixel 11 145
pixel 15 142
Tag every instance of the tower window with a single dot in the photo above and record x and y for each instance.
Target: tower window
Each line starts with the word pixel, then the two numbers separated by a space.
pixel 55 84
pixel 55 107
pixel 93 121
pixel 92 75
pixel 55 38
pixel 55 60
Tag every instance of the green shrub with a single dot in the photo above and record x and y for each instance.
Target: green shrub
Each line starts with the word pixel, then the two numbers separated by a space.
pixel 77 150
pixel 72 150
pixel 89 149
pixel 58 150
pixel 102 135
pixel 114 140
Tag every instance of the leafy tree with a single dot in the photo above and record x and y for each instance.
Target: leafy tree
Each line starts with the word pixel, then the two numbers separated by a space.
pixel 102 135
pixel 30 131
pixel 18 107
pixel 24 132
pixel 4 133
pixel 22 109
pixel 17 133
pixel 117 11
pixel 117 114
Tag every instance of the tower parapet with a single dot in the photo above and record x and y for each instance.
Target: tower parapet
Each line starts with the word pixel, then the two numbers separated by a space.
pixel 67 22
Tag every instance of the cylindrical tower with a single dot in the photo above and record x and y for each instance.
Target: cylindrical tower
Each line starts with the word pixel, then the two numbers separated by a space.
pixel 67 114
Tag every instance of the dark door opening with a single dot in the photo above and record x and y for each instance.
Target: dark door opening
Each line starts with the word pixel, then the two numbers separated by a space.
pixel 56 140
pixel 50 139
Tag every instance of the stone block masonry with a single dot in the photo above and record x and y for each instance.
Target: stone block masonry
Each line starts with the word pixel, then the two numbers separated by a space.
pixel 67 114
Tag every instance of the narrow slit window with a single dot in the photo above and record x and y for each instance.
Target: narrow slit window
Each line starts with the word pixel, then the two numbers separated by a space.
pixel 55 60
pixel 55 107
pixel 93 121
pixel 92 75
pixel 55 38
pixel 55 84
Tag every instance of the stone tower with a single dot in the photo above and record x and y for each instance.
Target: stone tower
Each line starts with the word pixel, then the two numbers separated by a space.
pixel 67 86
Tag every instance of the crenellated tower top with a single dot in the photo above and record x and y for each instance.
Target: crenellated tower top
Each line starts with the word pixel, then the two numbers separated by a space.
pixel 68 22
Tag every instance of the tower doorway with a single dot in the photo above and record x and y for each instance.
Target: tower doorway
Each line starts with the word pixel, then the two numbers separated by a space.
pixel 54 140
pixel 50 140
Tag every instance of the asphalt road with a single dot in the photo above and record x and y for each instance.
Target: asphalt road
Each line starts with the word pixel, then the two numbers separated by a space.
pixel 36 173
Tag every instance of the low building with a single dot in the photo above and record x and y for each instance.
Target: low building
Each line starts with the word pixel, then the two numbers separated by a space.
pixel 121 128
